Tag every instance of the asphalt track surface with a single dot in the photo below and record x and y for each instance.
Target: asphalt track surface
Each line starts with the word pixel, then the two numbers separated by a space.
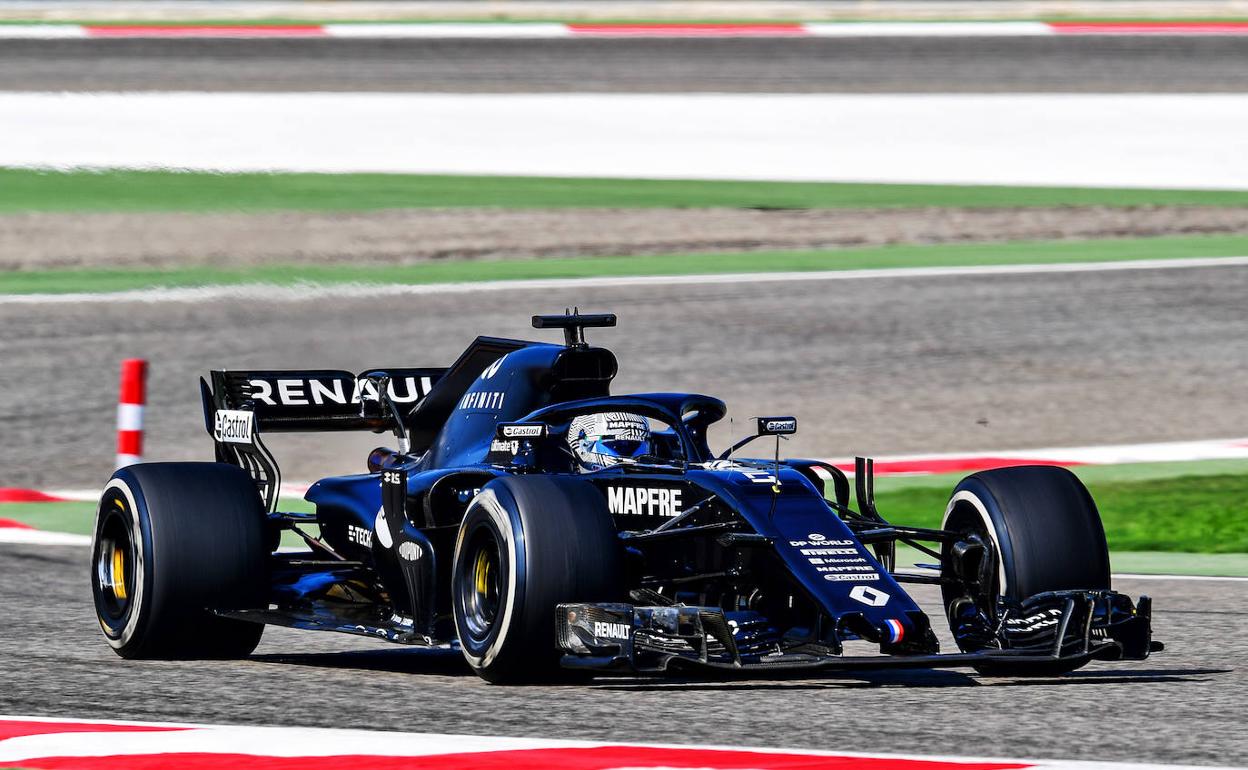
pixel 1183 705
pixel 872 366
pixel 874 65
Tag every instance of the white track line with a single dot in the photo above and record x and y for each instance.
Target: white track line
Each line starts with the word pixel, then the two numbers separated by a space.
pixel 39 537
pixel 930 29
pixel 41 31
pixel 308 742
pixel 302 293
pixel 1150 141
pixel 1109 454
pixel 778 28
pixel 449 30
pixel 1138 576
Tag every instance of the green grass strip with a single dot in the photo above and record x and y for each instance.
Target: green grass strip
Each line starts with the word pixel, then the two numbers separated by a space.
pixel 1090 474
pixel 76 517
pixel 1164 521
pixel 906 256
pixel 73 517
pixel 24 190
pixel 1167 563
pixel 1194 514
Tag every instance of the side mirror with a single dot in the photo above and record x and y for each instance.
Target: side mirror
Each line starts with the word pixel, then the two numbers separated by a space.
pixel 519 430
pixel 777 426
pixel 767 426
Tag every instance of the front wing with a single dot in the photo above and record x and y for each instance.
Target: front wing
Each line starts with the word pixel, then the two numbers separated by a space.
pixel 1077 626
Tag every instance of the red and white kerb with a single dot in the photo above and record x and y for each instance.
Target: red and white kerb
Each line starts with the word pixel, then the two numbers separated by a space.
pixel 130 411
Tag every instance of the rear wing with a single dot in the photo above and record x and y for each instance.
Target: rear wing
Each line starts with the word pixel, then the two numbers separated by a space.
pixel 240 405
pixel 415 403
pixel 316 400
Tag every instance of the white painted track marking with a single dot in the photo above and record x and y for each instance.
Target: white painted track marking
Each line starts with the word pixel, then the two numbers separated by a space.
pixel 1109 454
pixel 309 742
pixel 1137 576
pixel 778 28
pixel 449 30
pixel 41 31
pixel 22 535
pixel 930 29
pixel 270 293
pixel 1192 141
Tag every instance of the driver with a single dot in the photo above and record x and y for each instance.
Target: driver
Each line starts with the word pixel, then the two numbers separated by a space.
pixel 604 439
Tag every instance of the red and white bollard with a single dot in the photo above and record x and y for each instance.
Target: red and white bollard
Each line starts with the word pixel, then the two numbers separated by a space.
pixel 130 411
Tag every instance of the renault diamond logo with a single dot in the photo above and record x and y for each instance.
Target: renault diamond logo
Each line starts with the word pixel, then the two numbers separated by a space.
pixel 872 597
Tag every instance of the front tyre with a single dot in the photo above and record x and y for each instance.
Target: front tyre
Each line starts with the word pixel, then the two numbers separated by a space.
pixel 1042 532
pixel 171 542
pixel 525 545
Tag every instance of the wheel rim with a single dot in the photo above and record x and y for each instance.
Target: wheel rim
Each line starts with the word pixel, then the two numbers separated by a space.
pixel 481 584
pixel 114 562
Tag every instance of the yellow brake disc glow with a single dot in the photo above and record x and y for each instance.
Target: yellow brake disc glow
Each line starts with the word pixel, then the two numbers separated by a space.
pixel 119 574
pixel 482 570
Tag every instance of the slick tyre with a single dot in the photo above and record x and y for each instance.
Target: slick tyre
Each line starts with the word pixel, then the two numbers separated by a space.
pixel 172 541
pixel 1044 533
pixel 527 544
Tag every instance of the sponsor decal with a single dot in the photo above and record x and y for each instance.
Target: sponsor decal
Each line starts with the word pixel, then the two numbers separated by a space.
pixel 359 536
pixel 622 425
pixel 522 431
pixel 835 559
pixel 758 475
pixel 819 540
pixel 233 427
pixel 483 399
pixel 642 501
pixel 409 551
pixel 775 426
pixel 492 369
pixel 868 595
pixel 505 447
pixel 612 630
pixel 300 391
pixel 382 528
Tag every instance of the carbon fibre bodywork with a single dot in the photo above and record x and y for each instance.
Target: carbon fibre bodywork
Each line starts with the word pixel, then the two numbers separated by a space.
pixel 729 564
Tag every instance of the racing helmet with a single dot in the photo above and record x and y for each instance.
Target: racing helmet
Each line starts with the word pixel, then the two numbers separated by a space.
pixel 603 439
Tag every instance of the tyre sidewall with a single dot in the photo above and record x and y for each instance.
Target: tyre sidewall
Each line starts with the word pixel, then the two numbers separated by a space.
pixel 495 510
pixel 974 508
pixel 121 635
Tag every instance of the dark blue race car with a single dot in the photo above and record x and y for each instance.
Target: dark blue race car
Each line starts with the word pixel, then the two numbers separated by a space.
pixel 540 524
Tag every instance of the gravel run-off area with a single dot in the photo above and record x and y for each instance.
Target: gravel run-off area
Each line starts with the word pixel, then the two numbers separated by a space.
pixel 36 241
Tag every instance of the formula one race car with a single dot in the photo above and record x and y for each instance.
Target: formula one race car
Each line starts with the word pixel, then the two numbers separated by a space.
pixel 539 524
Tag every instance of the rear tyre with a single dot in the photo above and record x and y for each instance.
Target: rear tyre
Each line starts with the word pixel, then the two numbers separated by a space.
pixel 1044 534
pixel 525 545
pixel 172 541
